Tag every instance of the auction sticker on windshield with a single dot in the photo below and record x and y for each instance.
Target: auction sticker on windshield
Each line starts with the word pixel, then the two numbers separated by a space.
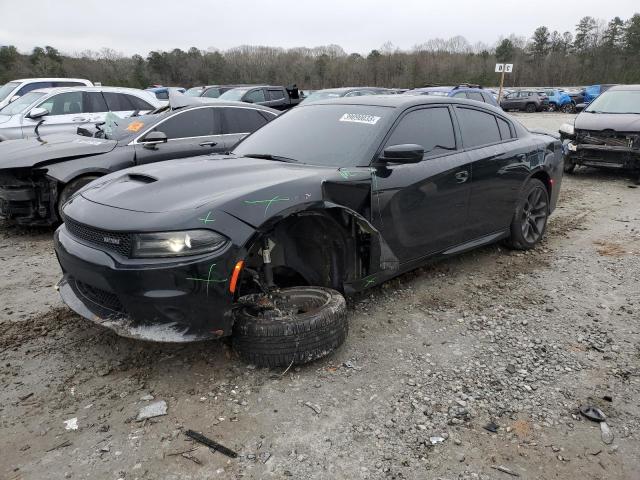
pixel 359 118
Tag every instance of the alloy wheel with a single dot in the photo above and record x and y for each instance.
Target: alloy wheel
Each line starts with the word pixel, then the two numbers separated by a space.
pixel 534 215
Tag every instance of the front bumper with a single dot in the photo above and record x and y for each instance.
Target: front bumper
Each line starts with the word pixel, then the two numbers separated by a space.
pixel 163 300
pixel 28 202
pixel 603 155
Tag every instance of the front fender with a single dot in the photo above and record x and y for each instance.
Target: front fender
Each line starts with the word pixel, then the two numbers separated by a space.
pixel 98 165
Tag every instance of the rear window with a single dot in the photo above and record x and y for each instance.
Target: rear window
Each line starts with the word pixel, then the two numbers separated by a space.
pixel 475 96
pixel 477 128
pixel 505 130
pixel 242 120
pixel 276 94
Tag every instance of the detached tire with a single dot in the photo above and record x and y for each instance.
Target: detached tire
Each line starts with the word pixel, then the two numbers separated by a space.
pixel 310 324
pixel 530 219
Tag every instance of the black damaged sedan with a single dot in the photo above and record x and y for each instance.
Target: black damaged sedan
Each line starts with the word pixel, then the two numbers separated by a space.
pixel 328 199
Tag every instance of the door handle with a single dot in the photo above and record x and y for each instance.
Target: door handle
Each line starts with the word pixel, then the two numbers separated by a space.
pixel 79 119
pixel 462 176
pixel 208 144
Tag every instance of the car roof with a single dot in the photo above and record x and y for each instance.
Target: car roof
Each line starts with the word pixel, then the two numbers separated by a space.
pixel 88 89
pixel 401 101
pixel 625 87
pixel 49 79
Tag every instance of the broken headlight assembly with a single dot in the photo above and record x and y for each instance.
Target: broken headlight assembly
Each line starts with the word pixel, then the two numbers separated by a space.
pixel 176 244
pixel 567 129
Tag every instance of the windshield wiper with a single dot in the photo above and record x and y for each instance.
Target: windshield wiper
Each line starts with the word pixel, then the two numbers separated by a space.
pixel 268 156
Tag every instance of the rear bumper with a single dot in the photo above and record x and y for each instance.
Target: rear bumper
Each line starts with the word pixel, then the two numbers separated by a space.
pixel 169 301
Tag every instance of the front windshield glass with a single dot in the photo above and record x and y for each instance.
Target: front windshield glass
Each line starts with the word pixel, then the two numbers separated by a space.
pixel 322 95
pixel 7 89
pixel 235 94
pixel 616 101
pixel 127 128
pixel 329 135
pixel 194 92
pixel 21 104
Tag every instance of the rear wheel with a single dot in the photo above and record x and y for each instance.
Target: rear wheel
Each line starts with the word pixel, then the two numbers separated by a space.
pixel 530 108
pixel 568 108
pixel 292 326
pixel 530 218
pixel 70 188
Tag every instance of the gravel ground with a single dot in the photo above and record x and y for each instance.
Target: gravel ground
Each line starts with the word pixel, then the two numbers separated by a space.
pixel 491 340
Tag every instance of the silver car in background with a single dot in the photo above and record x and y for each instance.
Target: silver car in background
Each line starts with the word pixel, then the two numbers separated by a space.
pixel 65 109
pixel 11 91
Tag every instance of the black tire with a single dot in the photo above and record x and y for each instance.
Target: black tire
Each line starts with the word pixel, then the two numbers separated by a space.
pixel 568 108
pixel 530 218
pixel 530 108
pixel 273 338
pixel 72 187
pixel 553 107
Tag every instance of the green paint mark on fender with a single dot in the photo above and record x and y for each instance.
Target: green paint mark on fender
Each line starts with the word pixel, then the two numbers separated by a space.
pixel 207 219
pixel 368 281
pixel 268 203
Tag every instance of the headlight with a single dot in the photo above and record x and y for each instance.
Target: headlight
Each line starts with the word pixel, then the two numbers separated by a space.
pixel 567 128
pixel 176 244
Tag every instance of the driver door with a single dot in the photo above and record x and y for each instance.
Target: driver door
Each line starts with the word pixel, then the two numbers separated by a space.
pixel 189 133
pixel 421 208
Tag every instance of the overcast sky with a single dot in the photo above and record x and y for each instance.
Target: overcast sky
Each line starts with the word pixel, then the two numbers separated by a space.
pixel 358 26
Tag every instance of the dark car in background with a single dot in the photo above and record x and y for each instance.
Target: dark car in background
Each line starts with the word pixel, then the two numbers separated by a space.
pixel 38 175
pixel 464 90
pixel 329 93
pixel 210 91
pixel 280 98
pixel 607 133
pixel 528 100
pixel 335 196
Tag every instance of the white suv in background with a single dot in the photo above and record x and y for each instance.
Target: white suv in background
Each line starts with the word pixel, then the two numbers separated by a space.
pixel 65 109
pixel 16 88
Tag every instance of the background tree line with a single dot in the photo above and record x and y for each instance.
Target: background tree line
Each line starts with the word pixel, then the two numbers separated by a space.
pixel 596 52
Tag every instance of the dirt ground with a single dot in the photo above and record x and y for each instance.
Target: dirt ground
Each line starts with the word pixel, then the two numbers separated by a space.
pixel 491 340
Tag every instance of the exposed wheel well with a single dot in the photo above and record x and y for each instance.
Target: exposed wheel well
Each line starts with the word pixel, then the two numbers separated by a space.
pixel 312 248
pixel 544 178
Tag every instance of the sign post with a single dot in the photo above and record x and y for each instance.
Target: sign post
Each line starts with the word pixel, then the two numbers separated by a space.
pixel 503 68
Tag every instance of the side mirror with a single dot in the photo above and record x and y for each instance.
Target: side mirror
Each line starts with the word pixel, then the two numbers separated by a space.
pixel 14 98
pixel 405 153
pixel 37 112
pixel 153 138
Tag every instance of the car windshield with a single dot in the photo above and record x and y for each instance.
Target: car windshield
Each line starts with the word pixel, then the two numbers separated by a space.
pixel 616 101
pixel 323 95
pixel 194 92
pixel 329 135
pixel 7 89
pixel 21 104
pixel 116 128
pixel 234 94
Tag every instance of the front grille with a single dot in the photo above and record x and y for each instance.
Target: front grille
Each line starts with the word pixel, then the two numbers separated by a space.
pixel 607 138
pixel 114 241
pixel 99 297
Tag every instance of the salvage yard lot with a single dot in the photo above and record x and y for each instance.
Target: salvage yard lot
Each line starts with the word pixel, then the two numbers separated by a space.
pixel 518 339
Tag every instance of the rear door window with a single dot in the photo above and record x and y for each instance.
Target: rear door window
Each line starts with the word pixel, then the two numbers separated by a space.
pixel 276 94
pixel 431 128
pixel 256 96
pixel 93 102
pixel 138 103
pixel 477 128
pixel 475 96
pixel 505 130
pixel 242 120
pixel 460 95
pixel 198 122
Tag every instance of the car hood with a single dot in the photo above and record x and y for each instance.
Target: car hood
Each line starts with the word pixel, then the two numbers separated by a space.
pixel 232 184
pixel 36 152
pixel 619 122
